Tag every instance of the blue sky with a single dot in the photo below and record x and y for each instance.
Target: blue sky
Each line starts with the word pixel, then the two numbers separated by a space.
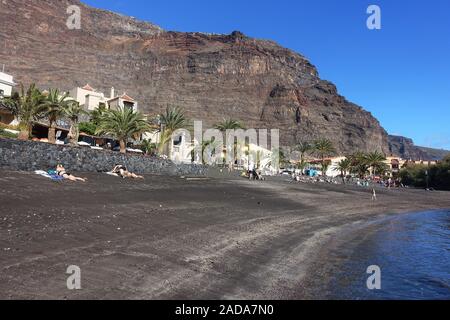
pixel 400 73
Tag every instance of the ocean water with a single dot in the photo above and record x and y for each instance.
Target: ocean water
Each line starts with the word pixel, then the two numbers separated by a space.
pixel 412 251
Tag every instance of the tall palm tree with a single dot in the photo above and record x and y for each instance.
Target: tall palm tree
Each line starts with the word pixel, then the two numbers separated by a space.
pixel 344 166
pixel 73 111
pixel 304 147
pixel 374 160
pixel 359 164
pixel 53 109
pixel 229 124
pixel 324 148
pixel 173 120
pixel 122 124
pixel 27 107
pixel 325 166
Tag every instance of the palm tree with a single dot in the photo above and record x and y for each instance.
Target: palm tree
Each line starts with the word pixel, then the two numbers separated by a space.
pixel 324 148
pixel 325 166
pixel 361 169
pixel 344 167
pixel 122 124
pixel 11 104
pixel 73 111
pixel 210 146
pixel 27 107
pixel 382 169
pixel 374 160
pixel 173 120
pixel 97 114
pixel 357 157
pixel 53 109
pixel 304 148
pixel 282 159
pixel 359 164
pixel 229 124
pixel 148 147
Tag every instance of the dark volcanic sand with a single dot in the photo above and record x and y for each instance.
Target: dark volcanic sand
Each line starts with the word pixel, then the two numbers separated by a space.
pixel 169 238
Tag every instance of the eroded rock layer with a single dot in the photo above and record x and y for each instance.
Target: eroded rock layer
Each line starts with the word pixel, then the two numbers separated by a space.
pixel 211 76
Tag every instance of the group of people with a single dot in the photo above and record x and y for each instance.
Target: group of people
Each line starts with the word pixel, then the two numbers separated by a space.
pixel 118 170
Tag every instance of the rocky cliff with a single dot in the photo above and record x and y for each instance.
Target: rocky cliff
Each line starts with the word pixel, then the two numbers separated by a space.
pixel 211 76
pixel 406 148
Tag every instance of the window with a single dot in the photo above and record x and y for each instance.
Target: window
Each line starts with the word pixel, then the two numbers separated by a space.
pixel 128 105
pixel 2 93
pixel 178 141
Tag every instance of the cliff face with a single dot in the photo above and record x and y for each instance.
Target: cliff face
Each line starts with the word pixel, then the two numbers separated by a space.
pixel 211 76
pixel 406 148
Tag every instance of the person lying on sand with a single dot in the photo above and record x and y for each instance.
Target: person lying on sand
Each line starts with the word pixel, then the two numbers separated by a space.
pixel 122 171
pixel 61 171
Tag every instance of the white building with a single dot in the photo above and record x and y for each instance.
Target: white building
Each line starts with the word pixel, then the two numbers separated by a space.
pixel 88 98
pixel 181 149
pixel 333 168
pixel 333 164
pixel 6 84
pixel 6 87
pixel 123 102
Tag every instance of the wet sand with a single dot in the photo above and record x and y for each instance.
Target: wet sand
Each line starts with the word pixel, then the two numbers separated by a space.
pixel 410 249
pixel 173 238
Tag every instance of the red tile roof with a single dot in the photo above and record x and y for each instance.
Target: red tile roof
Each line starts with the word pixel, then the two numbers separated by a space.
pixel 127 98
pixel 88 87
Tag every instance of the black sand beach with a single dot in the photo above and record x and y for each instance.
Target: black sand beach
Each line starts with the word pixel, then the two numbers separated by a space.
pixel 173 238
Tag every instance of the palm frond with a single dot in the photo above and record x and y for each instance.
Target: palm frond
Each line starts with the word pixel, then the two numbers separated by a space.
pixel 229 124
pixel 122 124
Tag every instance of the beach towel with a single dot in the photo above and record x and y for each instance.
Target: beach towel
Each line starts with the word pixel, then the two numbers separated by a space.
pixel 47 175
pixel 112 174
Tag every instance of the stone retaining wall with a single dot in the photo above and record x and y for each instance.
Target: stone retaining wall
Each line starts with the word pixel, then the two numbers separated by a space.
pixel 31 156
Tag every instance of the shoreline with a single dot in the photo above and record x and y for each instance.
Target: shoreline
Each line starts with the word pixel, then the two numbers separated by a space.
pixel 170 238
pixel 341 247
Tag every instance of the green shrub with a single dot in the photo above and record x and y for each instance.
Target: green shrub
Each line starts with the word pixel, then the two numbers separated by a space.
pixel 6 134
pixel 414 175
pixel 88 128
pixel 438 175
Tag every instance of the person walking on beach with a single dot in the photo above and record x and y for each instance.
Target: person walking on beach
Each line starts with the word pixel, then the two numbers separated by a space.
pixel 251 170
pixel 374 195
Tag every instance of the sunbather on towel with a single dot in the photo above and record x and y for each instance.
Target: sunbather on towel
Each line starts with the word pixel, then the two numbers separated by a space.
pixel 61 171
pixel 122 171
